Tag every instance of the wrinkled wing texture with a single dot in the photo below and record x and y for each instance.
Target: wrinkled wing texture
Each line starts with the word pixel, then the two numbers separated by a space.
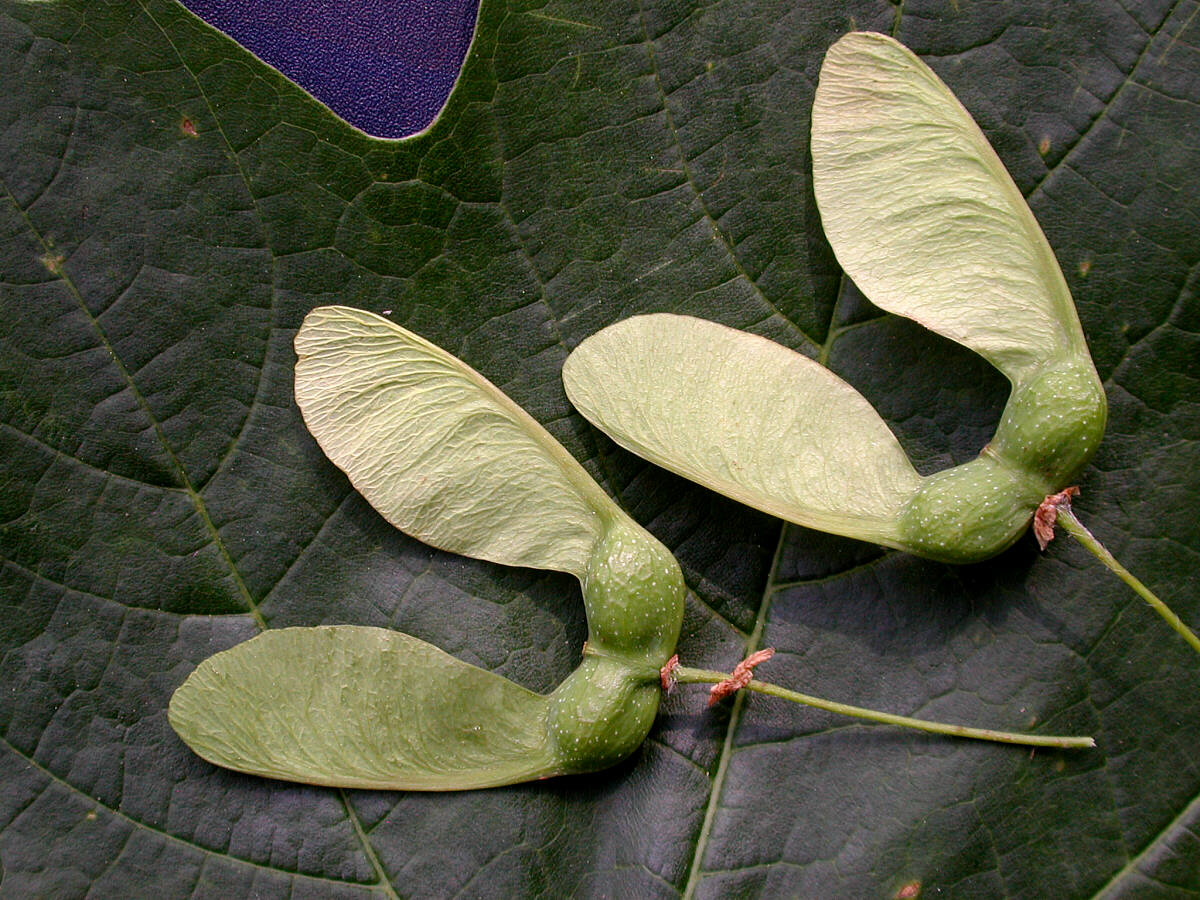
pixel 438 450
pixel 351 706
pixel 922 214
pixel 746 417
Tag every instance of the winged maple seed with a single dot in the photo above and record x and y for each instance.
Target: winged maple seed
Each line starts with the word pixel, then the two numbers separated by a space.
pixel 924 218
pixel 441 453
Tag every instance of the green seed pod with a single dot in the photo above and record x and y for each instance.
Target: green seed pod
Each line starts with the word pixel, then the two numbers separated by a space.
pixel 922 215
pixel 633 592
pixel 1051 425
pixel 445 456
pixel 1053 422
pixel 970 512
pixel 601 713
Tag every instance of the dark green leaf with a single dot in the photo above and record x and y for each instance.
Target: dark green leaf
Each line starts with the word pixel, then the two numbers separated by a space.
pixel 159 496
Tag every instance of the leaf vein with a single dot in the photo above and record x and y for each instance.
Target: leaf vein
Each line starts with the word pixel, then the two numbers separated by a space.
pixel 64 455
pixel 1106 109
pixel 717 231
pixel 167 836
pixel 236 159
pixel 304 551
pixel 143 404
pixel 59 161
pixel 1184 821
pixel 753 643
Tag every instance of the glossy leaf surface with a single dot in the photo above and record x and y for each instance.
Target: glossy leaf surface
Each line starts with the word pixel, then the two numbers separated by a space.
pixel 158 487
pixel 349 706
pixel 746 417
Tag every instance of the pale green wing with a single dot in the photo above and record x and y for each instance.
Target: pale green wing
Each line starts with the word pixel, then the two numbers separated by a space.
pixel 438 450
pixel 745 417
pixel 357 707
pixel 922 214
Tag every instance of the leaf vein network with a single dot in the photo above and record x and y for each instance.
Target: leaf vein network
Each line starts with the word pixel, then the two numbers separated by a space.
pixel 1106 109
pixel 718 232
pixel 235 157
pixel 166 836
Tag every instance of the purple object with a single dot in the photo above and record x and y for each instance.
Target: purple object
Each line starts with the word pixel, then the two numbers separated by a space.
pixel 385 66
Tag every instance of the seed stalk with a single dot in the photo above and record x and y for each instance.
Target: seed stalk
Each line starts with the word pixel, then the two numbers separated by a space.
pixel 686 675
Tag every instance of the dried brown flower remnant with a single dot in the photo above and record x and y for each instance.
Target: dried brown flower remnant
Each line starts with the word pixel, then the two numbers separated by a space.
pixel 742 675
pixel 666 675
pixel 1047 515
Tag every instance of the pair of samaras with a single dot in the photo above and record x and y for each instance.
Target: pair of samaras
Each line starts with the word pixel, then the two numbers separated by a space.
pixel 921 215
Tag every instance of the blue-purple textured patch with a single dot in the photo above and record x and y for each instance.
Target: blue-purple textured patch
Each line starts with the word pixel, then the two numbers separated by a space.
pixel 385 66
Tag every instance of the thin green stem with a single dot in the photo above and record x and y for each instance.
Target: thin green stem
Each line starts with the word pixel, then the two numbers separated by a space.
pixel 685 675
pixel 1072 526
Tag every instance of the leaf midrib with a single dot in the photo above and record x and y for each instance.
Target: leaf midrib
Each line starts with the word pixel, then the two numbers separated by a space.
pixel 696 872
